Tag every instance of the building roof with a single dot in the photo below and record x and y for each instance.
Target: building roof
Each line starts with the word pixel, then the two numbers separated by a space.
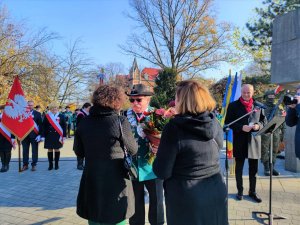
pixel 151 72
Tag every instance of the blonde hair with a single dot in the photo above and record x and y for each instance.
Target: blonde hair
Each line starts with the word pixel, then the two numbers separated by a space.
pixel 193 97
pixel 53 105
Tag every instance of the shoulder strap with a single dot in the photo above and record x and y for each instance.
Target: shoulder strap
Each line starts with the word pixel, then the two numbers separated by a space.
pixel 122 139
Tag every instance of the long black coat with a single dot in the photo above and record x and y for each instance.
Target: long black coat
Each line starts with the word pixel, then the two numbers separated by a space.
pixel 245 145
pixel 188 161
pixel 105 194
pixel 293 119
pixel 5 145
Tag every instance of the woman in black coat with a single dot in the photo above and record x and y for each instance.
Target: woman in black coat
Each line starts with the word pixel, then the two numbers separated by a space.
pixel 105 193
pixel 54 134
pixel 188 160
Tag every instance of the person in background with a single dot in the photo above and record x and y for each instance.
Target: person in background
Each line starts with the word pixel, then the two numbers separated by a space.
pixel 271 108
pixel 188 160
pixel 74 116
pixel 37 108
pixel 68 117
pixel 293 119
pixel 105 194
pixel 54 134
pixel 139 98
pixel 83 112
pixel 245 145
pixel 7 142
pixel 33 139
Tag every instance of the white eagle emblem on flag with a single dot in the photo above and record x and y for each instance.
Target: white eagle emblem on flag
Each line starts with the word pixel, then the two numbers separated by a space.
pixel 18 108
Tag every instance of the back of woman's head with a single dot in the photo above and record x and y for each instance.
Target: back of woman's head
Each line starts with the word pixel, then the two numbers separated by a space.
pixel 193 97
pixel 108 96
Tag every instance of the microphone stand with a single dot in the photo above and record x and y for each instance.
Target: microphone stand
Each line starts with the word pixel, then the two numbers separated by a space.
pixel 226 130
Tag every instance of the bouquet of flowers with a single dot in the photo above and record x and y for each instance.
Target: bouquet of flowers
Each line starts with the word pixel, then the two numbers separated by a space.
pixel 153 128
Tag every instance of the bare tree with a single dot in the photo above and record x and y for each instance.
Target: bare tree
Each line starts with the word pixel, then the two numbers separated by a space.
pixel 72 74
pixel 179 34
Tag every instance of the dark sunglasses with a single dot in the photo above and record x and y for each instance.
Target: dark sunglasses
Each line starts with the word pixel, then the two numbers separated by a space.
pixel 135 99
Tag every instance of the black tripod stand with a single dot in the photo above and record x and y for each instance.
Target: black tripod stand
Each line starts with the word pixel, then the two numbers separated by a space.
pixel 269 129
pixel 226 130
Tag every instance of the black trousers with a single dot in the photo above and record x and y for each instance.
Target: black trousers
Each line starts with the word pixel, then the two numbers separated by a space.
pixel 253 166
pixel 156 207
pixel 34 147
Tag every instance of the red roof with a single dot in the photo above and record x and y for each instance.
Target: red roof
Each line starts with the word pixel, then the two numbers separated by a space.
pixel 151 72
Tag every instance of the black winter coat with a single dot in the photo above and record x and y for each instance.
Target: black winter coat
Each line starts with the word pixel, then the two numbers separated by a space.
pixel 188 161
pixel 105 194
pixel 245 145
pixel 50 134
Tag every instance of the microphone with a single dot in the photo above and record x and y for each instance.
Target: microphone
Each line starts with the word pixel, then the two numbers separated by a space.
pixel 259 105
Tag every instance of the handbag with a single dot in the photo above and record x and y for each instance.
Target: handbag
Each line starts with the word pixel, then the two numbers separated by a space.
pixel 128 161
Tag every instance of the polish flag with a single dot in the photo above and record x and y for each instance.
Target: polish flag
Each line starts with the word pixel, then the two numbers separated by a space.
pixel 17 118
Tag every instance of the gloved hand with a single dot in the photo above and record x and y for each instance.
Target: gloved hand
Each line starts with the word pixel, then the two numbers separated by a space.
pixel 42 139
pixel 38 138
pixel 14 143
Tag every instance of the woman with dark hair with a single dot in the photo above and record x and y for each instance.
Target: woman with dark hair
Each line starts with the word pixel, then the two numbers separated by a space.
pixel 105 194
pixel 188 160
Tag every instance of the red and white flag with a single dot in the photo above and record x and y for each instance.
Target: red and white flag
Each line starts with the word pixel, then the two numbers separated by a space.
pixel 278 89
pixel 16 116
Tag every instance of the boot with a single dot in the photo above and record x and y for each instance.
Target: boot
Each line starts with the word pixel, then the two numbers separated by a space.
pixel 7 160
pixel 50 159
pixel 57 155
pixel 2 161
pixel 80 163
pixel 267 169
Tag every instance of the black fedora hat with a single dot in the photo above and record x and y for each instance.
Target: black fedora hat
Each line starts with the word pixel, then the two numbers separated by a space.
pixel 139 90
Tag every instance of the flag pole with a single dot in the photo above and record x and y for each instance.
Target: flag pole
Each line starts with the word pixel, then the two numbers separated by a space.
pixel 19 155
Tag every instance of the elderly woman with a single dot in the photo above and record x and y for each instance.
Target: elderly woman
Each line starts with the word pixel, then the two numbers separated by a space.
pixel 188 160
pixel 105 194
pixel 53 133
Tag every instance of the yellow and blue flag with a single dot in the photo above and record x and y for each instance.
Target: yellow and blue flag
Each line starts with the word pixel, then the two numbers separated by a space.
pixel 235 94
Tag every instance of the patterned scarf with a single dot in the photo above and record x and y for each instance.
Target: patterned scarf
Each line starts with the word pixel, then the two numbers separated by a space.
pixel 248 105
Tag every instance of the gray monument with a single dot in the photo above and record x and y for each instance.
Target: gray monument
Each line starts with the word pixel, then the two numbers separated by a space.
pixel 285 69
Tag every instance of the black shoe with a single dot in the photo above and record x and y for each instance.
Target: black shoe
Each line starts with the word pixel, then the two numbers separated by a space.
pixel 56 166
pixel 255 197
pixel 25 167
pixel 80 167
pixel 267 172
pixel 239 197
pixel 275 173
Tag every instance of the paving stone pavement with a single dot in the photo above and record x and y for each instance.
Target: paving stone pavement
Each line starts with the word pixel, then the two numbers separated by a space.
pixel 49 197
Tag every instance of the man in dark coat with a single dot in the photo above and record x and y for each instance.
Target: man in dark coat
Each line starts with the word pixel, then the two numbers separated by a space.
pixel 33 139
pixel 293 119
pixel 139 97
pixel 84 111
pixel 245 145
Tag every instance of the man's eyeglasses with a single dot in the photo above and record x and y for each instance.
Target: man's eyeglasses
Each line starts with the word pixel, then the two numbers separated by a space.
pixel 132 100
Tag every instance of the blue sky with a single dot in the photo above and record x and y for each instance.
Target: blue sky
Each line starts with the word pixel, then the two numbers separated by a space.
pixel 102 26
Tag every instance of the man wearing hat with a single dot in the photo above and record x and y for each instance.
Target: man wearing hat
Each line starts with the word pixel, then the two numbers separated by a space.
pixel 271 110
pixel 139 98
